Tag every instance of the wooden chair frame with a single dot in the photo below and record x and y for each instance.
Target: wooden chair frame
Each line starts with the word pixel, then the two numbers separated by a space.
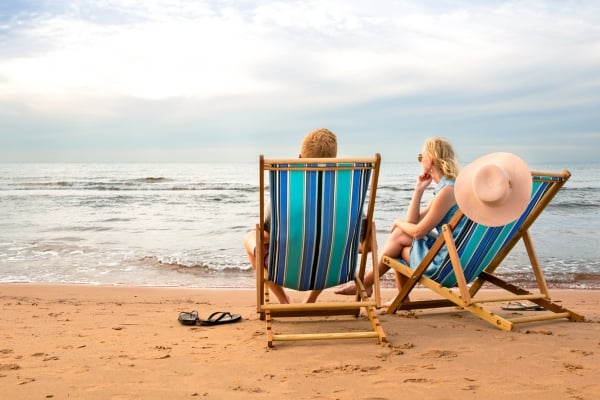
pixel 467 297
pixel 269 311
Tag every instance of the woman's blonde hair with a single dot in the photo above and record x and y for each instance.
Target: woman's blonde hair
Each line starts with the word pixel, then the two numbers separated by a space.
pixel 440 151
pixel 320 143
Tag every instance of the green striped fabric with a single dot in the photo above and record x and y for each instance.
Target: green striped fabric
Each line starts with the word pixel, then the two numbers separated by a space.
pixel 315 224
pixel 477 244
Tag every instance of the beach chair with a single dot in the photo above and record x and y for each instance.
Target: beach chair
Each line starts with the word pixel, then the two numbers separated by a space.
pixel 316 216
pixel 474 255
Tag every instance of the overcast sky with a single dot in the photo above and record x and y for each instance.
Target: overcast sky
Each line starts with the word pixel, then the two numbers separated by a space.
pixel 186 80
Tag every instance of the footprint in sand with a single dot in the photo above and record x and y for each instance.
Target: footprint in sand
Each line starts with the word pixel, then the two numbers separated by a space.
pixel 572 367
pixel 6 351
pixel 9 367
pixel 25 381
pixel 418 380
pixel 539 332
pixel 444 354
pixel 583 352
pixel 347 368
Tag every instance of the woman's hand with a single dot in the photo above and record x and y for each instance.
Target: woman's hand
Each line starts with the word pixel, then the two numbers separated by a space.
pixel 395 224
pixel 423 181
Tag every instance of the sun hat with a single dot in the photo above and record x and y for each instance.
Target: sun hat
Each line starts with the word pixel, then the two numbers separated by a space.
pixel 494 189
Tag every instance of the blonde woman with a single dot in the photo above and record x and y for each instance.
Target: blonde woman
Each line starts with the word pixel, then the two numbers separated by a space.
pixel 411 238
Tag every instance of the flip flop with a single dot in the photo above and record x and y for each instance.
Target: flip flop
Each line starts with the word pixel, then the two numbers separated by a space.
pixel 220 317
pixel 188 317
pixel 518 306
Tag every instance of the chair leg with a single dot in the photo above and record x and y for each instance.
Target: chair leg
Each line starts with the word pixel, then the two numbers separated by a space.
pixel 374 262
pixel 269 329
pixel 268 320
pixel 375 324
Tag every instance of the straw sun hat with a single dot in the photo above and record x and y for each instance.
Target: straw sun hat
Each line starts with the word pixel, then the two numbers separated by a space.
pixel 494 189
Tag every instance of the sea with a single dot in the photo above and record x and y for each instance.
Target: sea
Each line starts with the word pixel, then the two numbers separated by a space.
pixel 182 225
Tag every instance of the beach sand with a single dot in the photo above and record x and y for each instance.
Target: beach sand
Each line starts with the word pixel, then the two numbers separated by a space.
pixel 90 342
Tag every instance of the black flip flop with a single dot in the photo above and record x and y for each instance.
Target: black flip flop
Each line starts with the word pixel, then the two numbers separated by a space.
pixel 220 317
pixel 188 317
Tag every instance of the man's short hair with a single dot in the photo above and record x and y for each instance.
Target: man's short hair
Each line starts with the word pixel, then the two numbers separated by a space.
pixel 320 143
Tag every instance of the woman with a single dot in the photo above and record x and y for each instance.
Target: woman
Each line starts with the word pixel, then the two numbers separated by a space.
pixel 412 237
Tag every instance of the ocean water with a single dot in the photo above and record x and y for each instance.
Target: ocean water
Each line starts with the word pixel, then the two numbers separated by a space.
pixel 183 224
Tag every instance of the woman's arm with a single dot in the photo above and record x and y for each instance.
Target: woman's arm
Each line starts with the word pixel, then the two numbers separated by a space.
pixel 430 216
pixel 414 213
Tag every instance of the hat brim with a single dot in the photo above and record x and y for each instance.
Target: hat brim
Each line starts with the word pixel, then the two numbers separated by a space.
pixel 515 203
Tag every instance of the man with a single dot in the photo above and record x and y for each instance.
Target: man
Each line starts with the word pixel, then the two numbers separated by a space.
pixel 320 143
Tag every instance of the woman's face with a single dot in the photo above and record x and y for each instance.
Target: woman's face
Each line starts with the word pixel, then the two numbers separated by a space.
pixel 424 160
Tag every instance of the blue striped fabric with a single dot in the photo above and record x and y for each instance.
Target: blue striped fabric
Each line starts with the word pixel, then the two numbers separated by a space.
pixel 477 244
pixel 315 224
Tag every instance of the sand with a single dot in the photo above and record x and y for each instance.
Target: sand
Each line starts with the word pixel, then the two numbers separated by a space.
pixel 89 342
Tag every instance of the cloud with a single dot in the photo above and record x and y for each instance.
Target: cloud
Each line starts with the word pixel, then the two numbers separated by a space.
pixel 262 67
pixel 158 51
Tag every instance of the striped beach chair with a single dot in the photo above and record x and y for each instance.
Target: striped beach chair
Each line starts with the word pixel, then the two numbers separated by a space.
pixel 317 209
pixel 473 257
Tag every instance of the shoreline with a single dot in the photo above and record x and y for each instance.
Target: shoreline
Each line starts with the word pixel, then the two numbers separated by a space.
pixel 245 280
pixel 124 342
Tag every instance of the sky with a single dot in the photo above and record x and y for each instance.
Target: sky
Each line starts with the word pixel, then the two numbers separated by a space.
pixel 211 81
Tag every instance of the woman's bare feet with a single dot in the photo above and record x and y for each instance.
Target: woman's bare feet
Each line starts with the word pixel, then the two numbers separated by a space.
pixel 347 290
pixel 350 290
